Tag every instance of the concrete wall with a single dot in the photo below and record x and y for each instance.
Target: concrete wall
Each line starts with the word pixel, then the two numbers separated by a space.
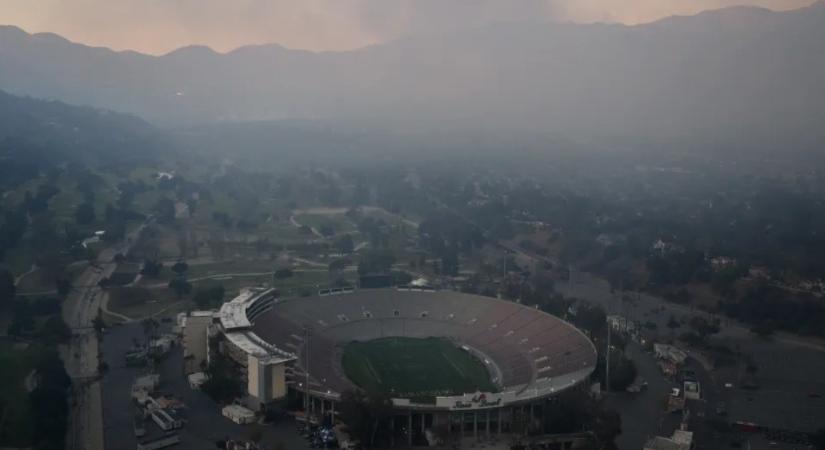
pixel 278 381
pixel 195 342
pixel 264 382
pixel 253 385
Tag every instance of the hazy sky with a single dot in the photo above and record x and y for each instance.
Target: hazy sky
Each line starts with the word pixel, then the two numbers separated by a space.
pixel 158 26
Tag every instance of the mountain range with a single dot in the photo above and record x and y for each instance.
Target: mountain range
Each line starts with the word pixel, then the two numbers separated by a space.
pixel 742 76
pixel 43 133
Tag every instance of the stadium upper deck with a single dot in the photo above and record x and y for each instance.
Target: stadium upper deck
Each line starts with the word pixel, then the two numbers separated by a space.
pixel 530 354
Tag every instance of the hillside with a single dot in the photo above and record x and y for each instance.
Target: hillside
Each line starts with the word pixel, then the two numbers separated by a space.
pixel 45 133
pixel 737 77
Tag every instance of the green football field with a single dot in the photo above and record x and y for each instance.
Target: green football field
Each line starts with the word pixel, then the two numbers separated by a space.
pixel 415 368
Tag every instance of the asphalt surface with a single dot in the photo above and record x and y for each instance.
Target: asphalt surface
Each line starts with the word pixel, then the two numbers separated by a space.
pixel 205 424
pixel 643 413
pixel 791 393
pixel 80 356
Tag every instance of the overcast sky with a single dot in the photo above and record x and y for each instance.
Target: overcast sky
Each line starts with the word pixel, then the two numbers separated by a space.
pixel 158 26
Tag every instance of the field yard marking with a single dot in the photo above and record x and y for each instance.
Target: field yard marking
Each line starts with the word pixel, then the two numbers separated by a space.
pixel 423 367
pixel 450 361
pixel 373 371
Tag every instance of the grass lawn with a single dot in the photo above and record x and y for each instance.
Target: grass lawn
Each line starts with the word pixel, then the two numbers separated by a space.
pixel 16 426
pixel 137 302
pixel 18 259
pixel 299 283
pixel 392 219
pixel 415 368
pixel 237 266
pixel 38 281
pixel 339 222
pixel 283 233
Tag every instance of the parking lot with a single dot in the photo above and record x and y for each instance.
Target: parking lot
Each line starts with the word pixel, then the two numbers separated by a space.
pixel 204 423
pixel 789 388
pixel 643 414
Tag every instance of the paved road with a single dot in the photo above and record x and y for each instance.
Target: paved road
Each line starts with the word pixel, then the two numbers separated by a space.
pixel 789 367
pixel 80 358
pixel 81 354
pixel 643 414
pixel 297 224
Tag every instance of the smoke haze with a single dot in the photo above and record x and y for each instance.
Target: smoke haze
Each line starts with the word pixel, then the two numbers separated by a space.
pixel 159 26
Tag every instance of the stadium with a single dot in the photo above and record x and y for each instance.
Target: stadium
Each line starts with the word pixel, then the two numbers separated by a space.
pixel 471 363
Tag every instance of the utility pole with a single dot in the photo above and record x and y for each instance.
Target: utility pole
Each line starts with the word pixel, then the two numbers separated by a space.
pixel 607 362
pixel 609 309
pixel 306 374
pixel 622 316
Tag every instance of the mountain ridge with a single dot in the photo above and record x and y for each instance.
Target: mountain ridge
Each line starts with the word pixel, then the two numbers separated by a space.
pixel 53 132
pixel 737 76
pixel 185 48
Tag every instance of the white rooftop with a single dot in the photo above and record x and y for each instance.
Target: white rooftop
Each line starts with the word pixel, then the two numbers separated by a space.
pixel 233 313
pixel 236 325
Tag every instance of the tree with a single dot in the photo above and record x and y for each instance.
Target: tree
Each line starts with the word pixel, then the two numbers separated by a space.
pixel 180 286
pixel 165 210
pixel 63 284
pixel 704 327
pixel 368 416
pixel 98 324
pixel 209 297
pixel 180 268
pixel 115 230
pixel 255 434
pixel 150 328
pixel 22 318
pixel 44 306
pixel 763 329
pixel 449 263
pixel 7 287
pixel 327 230
pixel 49 402
pixel 622 372
pixel 345 244
pixel 84 214
pixel 337 265
pixel 223 219
pixel 151 268
pixel 607 424
pixel 223 383
pixel 55 330
pixel 818 439
pixel 376 261
pixel 724 281
pixel 591 318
